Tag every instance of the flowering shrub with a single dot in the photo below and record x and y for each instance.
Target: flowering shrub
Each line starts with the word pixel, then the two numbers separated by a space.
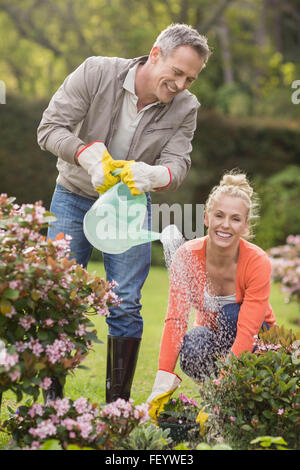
pixel 120 417
pixel 75 422
pixel 259 393
pixel 285 262
pixel 44 301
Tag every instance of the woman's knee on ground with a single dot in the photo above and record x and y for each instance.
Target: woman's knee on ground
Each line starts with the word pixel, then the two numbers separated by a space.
pixel 197 354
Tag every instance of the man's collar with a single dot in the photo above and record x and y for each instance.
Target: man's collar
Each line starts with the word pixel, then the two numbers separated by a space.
pixel 129 82
pixel 138 60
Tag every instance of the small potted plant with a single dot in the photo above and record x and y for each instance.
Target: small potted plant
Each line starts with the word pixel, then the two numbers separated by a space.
pixel 180 415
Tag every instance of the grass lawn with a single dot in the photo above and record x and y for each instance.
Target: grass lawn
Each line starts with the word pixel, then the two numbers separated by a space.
pixel 91 383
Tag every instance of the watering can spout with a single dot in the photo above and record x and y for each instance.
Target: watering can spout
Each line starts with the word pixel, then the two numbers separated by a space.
pixel 115 222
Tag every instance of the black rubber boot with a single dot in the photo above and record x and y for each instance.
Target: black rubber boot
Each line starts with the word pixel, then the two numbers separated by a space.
pixel 54 391
pixel 122 354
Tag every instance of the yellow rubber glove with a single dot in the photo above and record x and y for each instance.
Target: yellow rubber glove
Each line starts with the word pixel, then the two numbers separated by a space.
pixel 128 178
pixel 141 177
pixel 158 403
pixel 201 419
pixel 165 384
pixel 108 166
pixel 99 164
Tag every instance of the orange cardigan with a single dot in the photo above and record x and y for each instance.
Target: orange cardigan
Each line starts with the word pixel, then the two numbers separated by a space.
pixel 187 280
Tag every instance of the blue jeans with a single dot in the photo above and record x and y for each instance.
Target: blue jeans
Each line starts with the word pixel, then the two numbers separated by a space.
pixel 202 346
pixel 129 269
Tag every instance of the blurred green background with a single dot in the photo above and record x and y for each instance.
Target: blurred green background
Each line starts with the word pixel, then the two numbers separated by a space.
pixel 249 118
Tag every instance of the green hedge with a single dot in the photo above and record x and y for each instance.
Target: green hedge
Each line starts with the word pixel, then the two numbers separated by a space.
pixel 220 143
pixel 26 171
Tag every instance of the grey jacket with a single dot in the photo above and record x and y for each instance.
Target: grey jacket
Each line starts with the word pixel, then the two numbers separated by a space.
pixel 85 109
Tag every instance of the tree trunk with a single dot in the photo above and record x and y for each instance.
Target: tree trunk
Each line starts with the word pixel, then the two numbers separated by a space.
pixel 224 40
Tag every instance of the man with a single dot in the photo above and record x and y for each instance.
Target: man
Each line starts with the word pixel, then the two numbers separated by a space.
pixel 136 115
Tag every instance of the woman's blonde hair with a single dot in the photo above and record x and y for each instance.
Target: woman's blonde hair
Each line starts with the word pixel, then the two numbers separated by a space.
pixel 236 184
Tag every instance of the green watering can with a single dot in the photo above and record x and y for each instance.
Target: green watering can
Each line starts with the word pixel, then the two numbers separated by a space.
pixel 114 222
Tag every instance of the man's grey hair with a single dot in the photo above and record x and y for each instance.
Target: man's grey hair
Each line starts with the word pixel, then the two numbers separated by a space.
pixel 177 35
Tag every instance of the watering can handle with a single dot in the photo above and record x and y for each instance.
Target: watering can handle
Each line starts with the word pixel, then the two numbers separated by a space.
pixel 116 172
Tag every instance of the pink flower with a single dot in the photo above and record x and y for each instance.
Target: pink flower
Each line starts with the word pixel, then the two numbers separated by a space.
pixel 110 411
pixel 183 398
pixel 14 375
pixel 58 349
pixel 8 360
pixel 69 423
pixel 45 384
pixel 193 402
pixel 81 331
pixel 81 405
pixel 26 322
pixel 36 347
pixel 14 284
pixel 44 429
pixel 280 411
pixel 85 428
pixel 36 409
pixel 217 382
pixel 61 406
pixel 20 346
pixel 35 445
pixel 141 412
pixel 232 419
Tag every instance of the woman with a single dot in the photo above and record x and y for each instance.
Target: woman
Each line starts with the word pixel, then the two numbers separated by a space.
pixel 226 279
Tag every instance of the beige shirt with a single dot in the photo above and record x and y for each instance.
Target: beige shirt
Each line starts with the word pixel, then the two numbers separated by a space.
pixel 129 118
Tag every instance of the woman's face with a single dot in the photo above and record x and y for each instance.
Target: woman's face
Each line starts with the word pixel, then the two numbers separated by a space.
pixel 227 221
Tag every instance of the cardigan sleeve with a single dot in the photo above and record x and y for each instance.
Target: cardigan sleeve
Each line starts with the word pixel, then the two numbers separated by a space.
pixel 254 304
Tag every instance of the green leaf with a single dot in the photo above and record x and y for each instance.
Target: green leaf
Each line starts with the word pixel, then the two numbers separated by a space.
pixel 246 427
pixel 51 444
pixel 39 366
pixel 5 306
pixel 43 335
pixel 92 337
pixel 202 446
pixel 267 441
pixel 221 447
pixel 258 398
pixel 49 218
pixel 76 447
pixel 12 412
pixel 83 367
pixel 11 294
pixel 268 414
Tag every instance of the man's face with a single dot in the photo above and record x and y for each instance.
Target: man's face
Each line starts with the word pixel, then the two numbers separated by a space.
pixel 175 72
